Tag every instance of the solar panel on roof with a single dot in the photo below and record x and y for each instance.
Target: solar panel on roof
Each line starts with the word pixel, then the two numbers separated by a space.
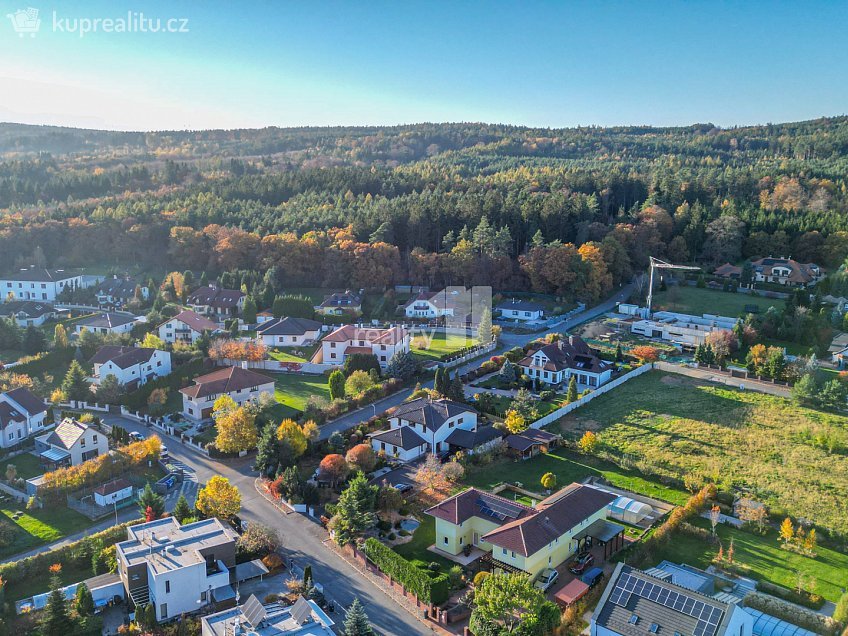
pixel 254 611
pixel 301 612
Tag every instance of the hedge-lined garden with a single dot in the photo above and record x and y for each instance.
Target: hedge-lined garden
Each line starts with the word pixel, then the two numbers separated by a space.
pixel 429 587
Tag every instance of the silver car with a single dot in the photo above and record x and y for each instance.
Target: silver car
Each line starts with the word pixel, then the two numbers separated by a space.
pixel 546 579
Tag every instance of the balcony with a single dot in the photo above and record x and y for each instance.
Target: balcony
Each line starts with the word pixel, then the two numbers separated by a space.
pixel 217 574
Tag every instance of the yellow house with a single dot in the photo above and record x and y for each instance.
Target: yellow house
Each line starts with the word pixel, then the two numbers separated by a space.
pixel 520 538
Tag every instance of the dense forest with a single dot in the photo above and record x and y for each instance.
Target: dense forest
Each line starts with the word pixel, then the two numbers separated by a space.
pixel 570 212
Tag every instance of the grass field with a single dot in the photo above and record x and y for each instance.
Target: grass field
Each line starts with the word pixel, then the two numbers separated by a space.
pixel 568 467
pixel 676 426
pixel 501 404
pixel 423 537
pixel 441 344
pixel 37 527
pixel 27 465
pixel 293 390
pixel 764 556
pixel 692 300
pixel 288 354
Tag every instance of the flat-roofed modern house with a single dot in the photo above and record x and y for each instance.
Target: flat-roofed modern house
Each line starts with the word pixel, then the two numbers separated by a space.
pixel 38 283
pixel 187 326
pixel 350 339
pixel 108 322
pixel 28 312
pixel 216 302
pixel 303 618
pixel 518 538
pixel 70 444
pixel 178 569
pixel 517 309
pixel 22 414
pixel 635 603
pixel 288 332
pixel 131 366
pixel 682 329
pixel 243 385
pixel 556 363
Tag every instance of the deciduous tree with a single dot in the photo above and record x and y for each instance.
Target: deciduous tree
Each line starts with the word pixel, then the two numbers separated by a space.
pixel 218 498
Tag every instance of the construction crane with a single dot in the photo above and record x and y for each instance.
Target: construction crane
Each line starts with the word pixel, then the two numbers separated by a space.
pixel 658 264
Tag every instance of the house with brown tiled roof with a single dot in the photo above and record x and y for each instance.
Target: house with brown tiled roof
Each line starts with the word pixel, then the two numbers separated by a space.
pixel 350 339
pixel 70 444
pixel 218 303
pixel 519 538
pixel 187 326
pixel 785 271
pixel 556 363
pixel 242 385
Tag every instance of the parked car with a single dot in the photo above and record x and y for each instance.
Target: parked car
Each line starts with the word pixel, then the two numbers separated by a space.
pixel 136 437
pixel 545 579
pixel 581 563
pixel 593 576
pixel 163 452
pixel 403 487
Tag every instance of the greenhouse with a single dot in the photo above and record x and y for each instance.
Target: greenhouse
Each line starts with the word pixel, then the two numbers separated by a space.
pixel 629 510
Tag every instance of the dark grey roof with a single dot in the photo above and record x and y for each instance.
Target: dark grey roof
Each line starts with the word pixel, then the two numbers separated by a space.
pixel 571 353
pixel 40 275
pixel 32 308
pixel 27 400
pixel 403 437
pixel 215 297
pixel 653 601
pixel 118 287
pixel 521 305
pixel 122 357
pixel 531 437
pixel 288 327
pixel 430 413
pixel 107 320
pixel 472 439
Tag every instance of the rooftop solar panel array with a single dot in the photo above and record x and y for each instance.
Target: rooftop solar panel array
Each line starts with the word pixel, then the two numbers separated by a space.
pixel 498 509
pixel 254 611
pixel 707 615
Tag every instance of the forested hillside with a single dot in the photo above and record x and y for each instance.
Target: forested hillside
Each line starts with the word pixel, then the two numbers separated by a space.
pixel 571 211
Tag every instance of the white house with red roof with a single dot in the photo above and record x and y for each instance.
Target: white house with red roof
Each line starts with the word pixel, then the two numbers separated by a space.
pixel 242 385
pixel 187 326
pixel 350 339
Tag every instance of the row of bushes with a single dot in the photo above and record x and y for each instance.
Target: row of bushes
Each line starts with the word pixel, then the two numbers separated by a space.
pixel 805 598
pixel 432 590
pixel 808 619
pixel 321 413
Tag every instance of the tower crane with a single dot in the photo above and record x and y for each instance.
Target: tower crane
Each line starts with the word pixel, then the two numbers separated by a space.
pixel 658 264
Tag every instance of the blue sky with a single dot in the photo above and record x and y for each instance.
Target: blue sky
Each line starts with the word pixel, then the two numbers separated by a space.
pixel 250 64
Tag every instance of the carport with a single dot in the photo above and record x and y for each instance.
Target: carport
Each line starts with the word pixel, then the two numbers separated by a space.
pixel 608 534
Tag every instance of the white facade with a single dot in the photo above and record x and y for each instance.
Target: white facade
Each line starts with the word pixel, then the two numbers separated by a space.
pixel 241 385
pixel 80 441
pixel 348 340
pixel 433 304
pixel 511 313
pixel 142 371
pixel 21 417
pixel 201 407
pixel 105 323
pixel 113 497
pixel 39 284
pixel 682 329
pixel 185 327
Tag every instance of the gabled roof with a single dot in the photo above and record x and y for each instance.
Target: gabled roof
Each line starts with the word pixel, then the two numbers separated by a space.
pixel 113 486
pixel 194 321
pixel 374 335
pixel 571 353
pixel 431 413
pixel 31 308
pixel 40 275
pixel 9 414
pixel 288 327
pixel 215 297
pixel 439 299
pixel 552 518
pixel 108 320
pixel 472 439
pixel 531 437
pixel 402 437
pixel 521 305
pixel 342 299
pixel 478 503
pixel 226 380
pixel 728 270
pixel 798 272
pixel 26 399
pixel 117 287
pixel 122 357
pixel 66 434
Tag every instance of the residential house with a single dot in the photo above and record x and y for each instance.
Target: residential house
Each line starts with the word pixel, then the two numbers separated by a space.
pixel 70 444
pixel 288 332
pixel 426 425
pixel 516 309
pixel 779 270
pixel 215 302
pixel 351 339
pixel 38 283
pixel 531 442
pixel 28 312
pixel 682 329
pixel 556 363
pixel 115 292
pixel 635 603
pixel 113 492
pixel 186 327
pixel 109 322
pixel 303 618
pixel 264 316
pixel 243 385
pixel 345 303
pixel 131 366
pixel 178 569
pixel 728 270
pixel 22 414
pixel 434 304
pixel 518 538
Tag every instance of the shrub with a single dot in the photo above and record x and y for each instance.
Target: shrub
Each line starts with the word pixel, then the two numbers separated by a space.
pixel 805 598
pixel 429 589
pixel 805 618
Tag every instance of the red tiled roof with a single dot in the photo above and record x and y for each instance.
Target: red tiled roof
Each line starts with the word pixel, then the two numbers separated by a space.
pixel 112 487
pixel 226 380
pixel 464 505
pixel 374 335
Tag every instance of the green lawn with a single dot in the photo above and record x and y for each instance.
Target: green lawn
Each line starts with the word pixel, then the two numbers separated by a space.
pixel 293 354
pixel 293 390
pixel 440 344
pixel 501 404
pixel 764 556
pixel 423 537
pixel 28 466
pixel 676 426
pixel 692 300
pixel 37 527
pixel 568 467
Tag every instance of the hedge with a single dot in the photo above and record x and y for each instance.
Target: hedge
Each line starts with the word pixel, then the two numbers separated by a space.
pixel 432 590
pixel 808 619
pixel 804 598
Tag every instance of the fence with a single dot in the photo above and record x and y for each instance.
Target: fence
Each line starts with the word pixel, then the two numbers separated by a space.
pixel 85 406
pixel 609 386
pixel 311 368
pixel 450 364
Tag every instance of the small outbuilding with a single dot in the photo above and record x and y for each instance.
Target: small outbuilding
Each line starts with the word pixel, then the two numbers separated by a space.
pixel 113 492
